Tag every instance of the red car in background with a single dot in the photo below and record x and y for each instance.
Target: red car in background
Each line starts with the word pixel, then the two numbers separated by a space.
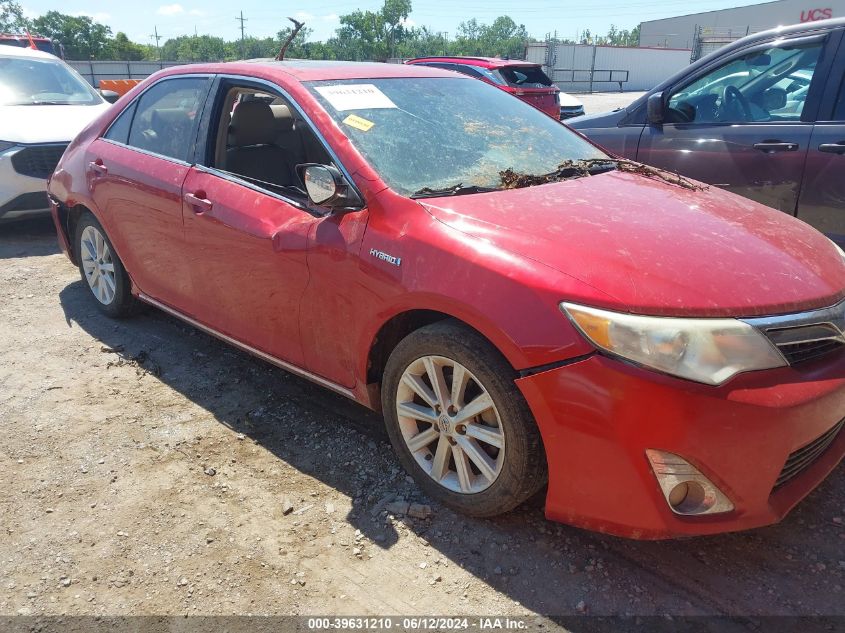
pixel 523 308
pixel 519 78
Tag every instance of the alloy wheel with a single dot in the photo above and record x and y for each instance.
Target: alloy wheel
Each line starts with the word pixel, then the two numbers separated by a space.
pixel 98 265
pixel 450 424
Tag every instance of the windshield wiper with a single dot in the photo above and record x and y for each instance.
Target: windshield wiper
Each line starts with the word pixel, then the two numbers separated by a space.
pixel 591 167
pixel 455 190
pixel 569 169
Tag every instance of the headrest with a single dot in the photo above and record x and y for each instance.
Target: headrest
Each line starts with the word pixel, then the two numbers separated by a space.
pixel 168 116
pixel 283 117
pixel 252 124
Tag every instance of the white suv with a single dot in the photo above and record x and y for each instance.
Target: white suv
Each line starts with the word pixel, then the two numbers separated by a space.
pixel 44 104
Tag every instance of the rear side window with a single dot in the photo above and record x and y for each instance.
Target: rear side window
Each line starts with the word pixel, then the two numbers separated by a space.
pixel 166 117
pixel 525 76
pixel 119 130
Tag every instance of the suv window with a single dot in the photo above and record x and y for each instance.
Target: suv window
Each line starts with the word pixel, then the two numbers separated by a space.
pixel 525 76
pixel 763 85
pixel 839 113
pixel 166 117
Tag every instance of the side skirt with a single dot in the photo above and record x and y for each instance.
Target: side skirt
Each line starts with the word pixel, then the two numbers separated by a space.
pixel 251 350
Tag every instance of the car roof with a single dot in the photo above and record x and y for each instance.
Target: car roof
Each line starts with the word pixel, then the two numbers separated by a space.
pixel 316 70
pixel 17 51
pixel 484 62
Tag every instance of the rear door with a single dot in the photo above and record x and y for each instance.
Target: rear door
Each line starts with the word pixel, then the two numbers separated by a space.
pixel 744 123
pixel 135 173
pixel 822 201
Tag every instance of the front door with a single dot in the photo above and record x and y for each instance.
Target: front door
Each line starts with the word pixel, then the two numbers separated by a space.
pixel 744 125
pixel 822 201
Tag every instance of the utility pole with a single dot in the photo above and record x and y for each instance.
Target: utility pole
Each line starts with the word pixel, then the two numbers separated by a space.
pixel 242 19
pixel 157 37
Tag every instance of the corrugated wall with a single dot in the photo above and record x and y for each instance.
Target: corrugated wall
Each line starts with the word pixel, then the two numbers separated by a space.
pixel 93 71
pixel 573 66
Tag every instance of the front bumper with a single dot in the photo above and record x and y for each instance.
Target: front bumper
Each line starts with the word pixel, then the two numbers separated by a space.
pixel 598 416
pixel 20 195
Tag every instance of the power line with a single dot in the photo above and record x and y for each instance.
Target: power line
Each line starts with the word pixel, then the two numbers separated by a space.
pixel 156 37
pixel 242 19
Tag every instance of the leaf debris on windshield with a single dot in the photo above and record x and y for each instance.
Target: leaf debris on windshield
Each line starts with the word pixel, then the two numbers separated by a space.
pixel 511 179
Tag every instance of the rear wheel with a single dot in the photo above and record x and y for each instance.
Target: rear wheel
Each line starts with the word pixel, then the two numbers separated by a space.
pixel 458 422
pixel 101 269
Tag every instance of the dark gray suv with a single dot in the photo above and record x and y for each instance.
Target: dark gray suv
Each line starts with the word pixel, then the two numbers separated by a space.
pixel 763 117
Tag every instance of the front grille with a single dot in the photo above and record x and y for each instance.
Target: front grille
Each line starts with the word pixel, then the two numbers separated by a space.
pixel 806 455
pixel 38 161
pixel 806 342
pixel 800 352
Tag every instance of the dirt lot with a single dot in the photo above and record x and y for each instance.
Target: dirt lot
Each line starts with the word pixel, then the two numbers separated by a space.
pixel 144 469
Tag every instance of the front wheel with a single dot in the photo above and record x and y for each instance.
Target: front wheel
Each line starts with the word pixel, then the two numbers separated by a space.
pixel 458 422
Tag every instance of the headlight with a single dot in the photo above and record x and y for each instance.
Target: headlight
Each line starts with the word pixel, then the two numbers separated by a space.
pixel 704 350
pixel 4 145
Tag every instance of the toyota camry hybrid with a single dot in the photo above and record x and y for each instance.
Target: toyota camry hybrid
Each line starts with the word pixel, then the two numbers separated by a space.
pixel 525 310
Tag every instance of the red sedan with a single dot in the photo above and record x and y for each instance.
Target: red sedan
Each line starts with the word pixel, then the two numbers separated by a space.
pixel 524 309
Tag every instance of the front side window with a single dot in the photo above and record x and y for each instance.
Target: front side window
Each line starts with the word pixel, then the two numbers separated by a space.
pixel 761 86
pixel 166 117
pixel 442 132
pixel 33 81
pixel 261 139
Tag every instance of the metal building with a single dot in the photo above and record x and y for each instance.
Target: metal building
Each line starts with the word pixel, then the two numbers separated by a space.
pixel 587 68
pixel 705 32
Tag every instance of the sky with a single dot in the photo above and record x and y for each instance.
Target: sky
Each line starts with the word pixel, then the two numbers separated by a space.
pixel 219 17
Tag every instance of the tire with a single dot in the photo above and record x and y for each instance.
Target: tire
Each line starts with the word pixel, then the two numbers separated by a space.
pixel 106 278
pixel 504 462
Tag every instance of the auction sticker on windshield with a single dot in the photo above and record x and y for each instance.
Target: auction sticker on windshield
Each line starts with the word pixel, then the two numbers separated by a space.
pixel 355 97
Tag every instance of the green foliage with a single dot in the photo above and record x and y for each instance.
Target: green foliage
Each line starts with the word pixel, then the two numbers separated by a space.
pixel 11 17
pixel 362 35
pixel 82 37
pixel 121 48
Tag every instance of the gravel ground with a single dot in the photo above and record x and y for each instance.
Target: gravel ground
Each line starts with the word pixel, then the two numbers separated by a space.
pixel 148 469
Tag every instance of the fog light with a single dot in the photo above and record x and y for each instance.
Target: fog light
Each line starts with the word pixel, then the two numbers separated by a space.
pixel 686 490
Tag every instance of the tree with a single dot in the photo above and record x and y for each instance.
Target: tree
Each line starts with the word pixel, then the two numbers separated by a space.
pixel 81 36
pixel 12 19
pixel 198 48
pixel 121 48
pixel 372 35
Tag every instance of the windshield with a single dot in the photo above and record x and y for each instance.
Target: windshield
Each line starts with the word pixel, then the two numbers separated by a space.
pixel 438 133
pixel 30 81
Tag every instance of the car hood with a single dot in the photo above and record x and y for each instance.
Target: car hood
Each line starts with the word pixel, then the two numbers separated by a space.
pixel 655 248
pixel 568 101
pixel 600 120
pixel 46 123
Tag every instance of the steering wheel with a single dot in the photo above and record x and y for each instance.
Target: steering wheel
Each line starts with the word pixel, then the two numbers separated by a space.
pixel 731 98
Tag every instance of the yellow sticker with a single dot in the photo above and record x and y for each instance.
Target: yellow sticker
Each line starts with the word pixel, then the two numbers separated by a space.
pixel 359 123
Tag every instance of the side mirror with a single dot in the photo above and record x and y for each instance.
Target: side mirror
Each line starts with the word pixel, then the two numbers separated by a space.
pixel 654 108
pixel 327 187
pixel 109 95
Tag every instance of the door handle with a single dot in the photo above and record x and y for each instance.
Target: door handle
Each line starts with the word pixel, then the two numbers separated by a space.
pixel 198 202
pixel 775 146
pixel 98 167
pixel 833 148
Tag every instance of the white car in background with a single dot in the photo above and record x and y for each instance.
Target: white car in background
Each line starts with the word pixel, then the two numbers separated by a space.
pixel 44 104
